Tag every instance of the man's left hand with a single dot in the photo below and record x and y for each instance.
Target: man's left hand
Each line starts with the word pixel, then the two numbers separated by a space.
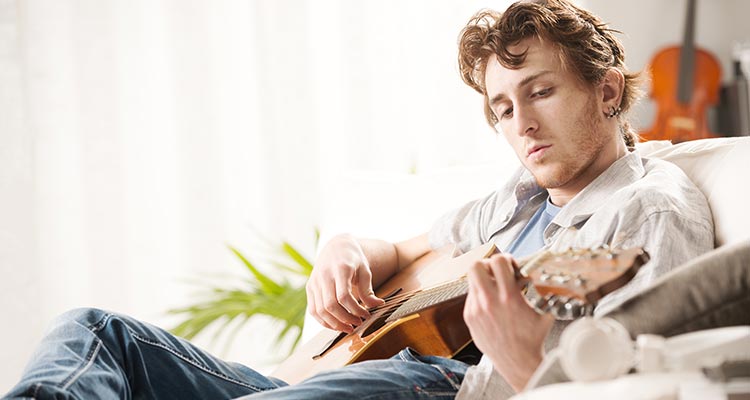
pixel 503 325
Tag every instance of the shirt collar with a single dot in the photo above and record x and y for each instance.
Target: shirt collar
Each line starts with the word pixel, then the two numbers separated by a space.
pixel 621 173
pixel 526 188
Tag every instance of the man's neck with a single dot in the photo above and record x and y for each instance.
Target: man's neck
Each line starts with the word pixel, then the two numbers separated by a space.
pixel 560 196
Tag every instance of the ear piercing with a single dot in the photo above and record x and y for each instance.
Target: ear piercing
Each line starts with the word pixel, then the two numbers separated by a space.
pixel 613 112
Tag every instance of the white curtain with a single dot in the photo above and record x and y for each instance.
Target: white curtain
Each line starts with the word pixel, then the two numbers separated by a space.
pixel 138 138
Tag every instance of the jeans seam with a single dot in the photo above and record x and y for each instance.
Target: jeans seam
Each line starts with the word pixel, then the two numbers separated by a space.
pixel 89 359
pixel 193 362
pixel 96 327
pixel 448 376
pixel 89 362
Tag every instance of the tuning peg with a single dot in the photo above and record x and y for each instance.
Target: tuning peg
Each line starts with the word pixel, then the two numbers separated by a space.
pixel 558 309
pixel 556 305
pixel 540 303
pixel 561 307
pixel 543 304
pixel 573 309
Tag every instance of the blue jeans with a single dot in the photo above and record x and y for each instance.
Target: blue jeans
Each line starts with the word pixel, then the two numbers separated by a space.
pixel 94 354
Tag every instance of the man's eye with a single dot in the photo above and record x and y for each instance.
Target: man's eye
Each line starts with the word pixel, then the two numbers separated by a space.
pixel 507 113
pixel 542 92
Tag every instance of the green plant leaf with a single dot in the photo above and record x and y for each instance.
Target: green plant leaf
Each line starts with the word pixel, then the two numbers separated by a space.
pixel 231 307
pixel 268 283
pixel 296 256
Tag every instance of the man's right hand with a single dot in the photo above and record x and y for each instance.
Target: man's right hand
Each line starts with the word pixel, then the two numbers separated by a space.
pixel 340 290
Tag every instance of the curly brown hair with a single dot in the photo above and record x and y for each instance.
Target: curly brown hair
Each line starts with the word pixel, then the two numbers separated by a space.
pixel 585 43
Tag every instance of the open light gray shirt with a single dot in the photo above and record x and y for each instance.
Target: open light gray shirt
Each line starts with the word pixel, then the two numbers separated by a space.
pixel 636 202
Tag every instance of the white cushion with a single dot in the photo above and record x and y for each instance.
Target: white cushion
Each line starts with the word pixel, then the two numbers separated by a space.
pixel 718 167
pixel 397 206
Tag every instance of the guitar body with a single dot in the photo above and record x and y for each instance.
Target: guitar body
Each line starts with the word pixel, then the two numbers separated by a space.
pixel 438 330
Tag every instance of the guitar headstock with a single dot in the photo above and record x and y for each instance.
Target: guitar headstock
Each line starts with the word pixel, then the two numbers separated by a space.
pixel 571 282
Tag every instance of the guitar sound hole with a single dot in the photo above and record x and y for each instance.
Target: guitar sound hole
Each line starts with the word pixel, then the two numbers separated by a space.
pixel 329 345
pixel 374 326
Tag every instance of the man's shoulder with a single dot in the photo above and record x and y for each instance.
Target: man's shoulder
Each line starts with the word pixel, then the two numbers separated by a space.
pixel 665 187
pixel 664 178
pixel 656 168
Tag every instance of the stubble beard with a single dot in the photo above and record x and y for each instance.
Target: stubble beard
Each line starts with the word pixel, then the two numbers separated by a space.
pixel 589 141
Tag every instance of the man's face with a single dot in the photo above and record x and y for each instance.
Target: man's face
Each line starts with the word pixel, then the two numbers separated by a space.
pixel 552 121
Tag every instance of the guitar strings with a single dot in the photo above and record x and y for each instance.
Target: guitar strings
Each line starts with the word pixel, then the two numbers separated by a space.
pixel 399 299
pixel 393 301
pixel 396 300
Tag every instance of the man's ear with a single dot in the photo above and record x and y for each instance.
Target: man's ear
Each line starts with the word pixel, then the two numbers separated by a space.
pixel 612 87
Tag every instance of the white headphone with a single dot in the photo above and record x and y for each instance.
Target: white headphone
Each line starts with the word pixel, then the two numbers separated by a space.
pixel 595 349
pixel 600 348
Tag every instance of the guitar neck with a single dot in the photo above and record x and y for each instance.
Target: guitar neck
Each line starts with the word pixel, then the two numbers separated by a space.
pixel 451 290
pixel 581 276
pixel 431 297
pixel 458 288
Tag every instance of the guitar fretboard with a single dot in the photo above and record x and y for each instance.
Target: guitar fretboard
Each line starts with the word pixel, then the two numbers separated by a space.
pixel 430 297
pixel 572 276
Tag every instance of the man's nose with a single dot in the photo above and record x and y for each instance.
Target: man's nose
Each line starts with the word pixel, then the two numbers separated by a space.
pixel 526 121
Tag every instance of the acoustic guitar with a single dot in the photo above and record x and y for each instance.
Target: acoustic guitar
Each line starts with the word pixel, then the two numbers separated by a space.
pixel 424 305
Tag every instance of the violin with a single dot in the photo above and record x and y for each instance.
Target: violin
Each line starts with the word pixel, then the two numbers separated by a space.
pixel 685 82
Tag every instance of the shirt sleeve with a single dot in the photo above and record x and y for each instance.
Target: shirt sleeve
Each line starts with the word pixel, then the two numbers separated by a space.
pixel 468 226
pixel 460 227
pixel 671 239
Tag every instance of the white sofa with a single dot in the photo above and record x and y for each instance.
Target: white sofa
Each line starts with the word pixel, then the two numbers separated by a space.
pixel 397 206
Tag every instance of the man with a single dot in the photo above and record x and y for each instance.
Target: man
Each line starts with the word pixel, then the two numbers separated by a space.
pixel 554 83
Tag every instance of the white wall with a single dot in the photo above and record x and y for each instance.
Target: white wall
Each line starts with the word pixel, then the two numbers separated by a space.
pixel 650 25
pixel 139 137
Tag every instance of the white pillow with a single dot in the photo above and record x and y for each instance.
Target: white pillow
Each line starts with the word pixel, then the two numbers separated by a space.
pixel 718 167
pixel 397 206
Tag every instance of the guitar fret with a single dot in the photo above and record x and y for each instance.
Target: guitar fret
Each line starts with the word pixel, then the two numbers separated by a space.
pixel 430 297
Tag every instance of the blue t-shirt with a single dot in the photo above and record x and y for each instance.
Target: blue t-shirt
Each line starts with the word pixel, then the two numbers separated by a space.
pixel 531 238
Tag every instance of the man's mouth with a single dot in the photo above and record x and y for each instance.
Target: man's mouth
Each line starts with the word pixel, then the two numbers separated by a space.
pixel 537 151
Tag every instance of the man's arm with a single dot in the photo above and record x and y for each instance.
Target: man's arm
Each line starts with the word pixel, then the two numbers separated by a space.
pixel 341 285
